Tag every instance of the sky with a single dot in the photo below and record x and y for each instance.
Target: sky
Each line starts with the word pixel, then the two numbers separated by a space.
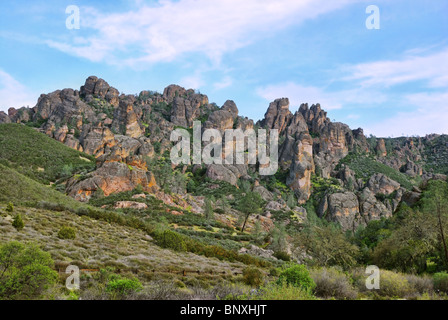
pixel 391 81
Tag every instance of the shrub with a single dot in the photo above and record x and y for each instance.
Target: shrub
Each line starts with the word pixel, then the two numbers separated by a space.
pixel 282 291
pixel 18 222
pixel 297 275
pixel 281 255
pixel 26 271
pixel 331 282
pixel 120 287
pixel 67 233
pixel 10 207
pixel 393 285
pixel 441 281
pixel 253 276
pixel 171 240
pixel 421 284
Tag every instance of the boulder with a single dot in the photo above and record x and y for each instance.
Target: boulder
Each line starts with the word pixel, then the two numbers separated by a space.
pixel 4 118
pixel 228 173
pixel 379 183
pixel 130 205
pixel 371 208
pixel 342 208
pixel 263 192
pixel 257 251
pixel 111 177
pixel 381 148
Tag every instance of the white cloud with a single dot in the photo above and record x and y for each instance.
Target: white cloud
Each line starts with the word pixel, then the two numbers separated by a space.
pixel 299 94
pixel 429 116
pixel 224 83
pixel 432 68
pixel 169 29
pixel 13 93
pixel 192 82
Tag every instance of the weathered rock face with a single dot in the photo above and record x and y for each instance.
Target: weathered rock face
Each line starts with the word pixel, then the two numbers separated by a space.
pixel 413 169
pixel 347 176
pixel 111 177
pixel 221 120
pixel 371 208
pixel 231 107
pixel 259 252
pixel 264 193
pixel 278 115
pixel 126 120
pixel 4 118
pixel 342 208
pixel 62 107
pixel 381 148
pixel 379 183
pixel 100 88
pixel 274 206
pixel 228 173
pixel 96 140
pixel 185 105
pixel 315 117
pixel 21 115
pixel 130 205
pixel 331 146
pixel 302 167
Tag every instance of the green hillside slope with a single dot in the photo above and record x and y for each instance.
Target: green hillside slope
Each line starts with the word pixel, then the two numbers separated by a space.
pixel 20 189
pixel 38 156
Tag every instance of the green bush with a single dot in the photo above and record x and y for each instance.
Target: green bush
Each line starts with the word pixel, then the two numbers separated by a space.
pixel 18 222
pixel 253 276
pixel 120 287
pixel 441 281
pixel 297 275
pixel 10 207
pixel 171 240
pixel 281 255
pixel 282 291
pixel 26 271
pixel 67 233
pixel 332 283
pixel 393 285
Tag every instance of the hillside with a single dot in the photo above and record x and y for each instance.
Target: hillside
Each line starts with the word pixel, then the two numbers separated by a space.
pixel 19 189
pixel 339 200
pixel 39 157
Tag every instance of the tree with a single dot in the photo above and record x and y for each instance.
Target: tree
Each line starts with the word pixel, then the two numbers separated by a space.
pixel 18 222
pixel 328 246
pixel 25 271
pixel 249 204
pixel 435 201
pixel 291 202
pixel 208 208
pixel 224 204
pixel 279 242
pixel 410 245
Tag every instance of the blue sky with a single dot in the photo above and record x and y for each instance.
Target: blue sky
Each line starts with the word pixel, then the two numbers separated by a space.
pixel 391 82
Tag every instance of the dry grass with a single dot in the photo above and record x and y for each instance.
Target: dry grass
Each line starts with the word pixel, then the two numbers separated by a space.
pixel 100 244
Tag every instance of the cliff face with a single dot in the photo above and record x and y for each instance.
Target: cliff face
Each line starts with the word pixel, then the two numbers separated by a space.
pixel 124 131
